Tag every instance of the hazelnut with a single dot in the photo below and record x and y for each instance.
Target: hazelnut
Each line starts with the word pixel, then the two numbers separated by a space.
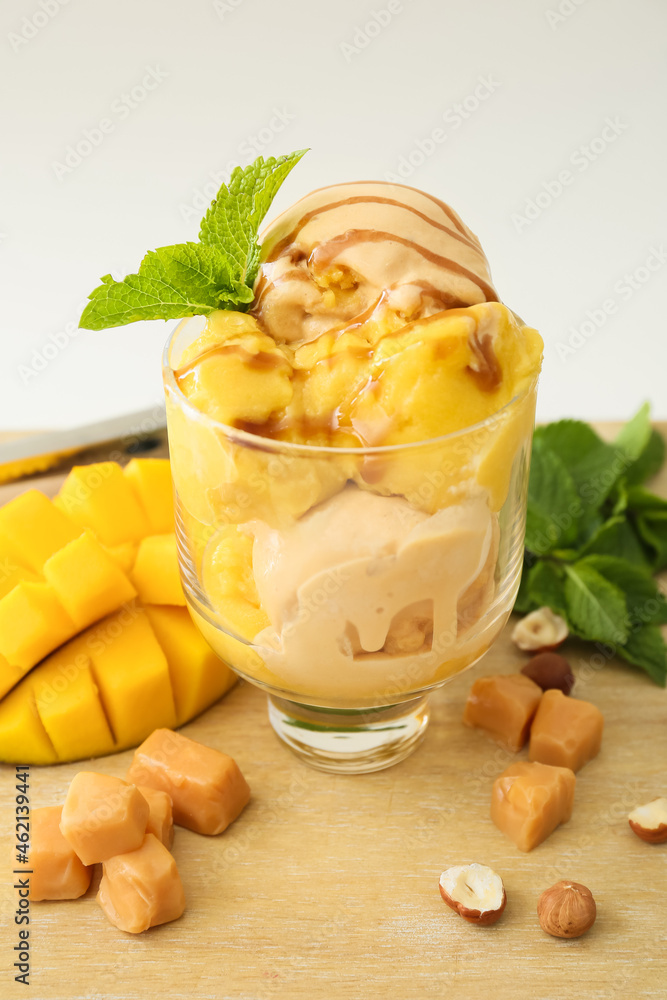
pixel 550 670
pixel 475 892
pixel 566 910
pixel 540 631
pixel 649 822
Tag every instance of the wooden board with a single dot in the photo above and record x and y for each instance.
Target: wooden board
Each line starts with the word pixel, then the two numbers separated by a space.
pixel 327 886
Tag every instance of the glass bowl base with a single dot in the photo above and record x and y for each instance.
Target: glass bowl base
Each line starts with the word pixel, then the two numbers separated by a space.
pixel 350 741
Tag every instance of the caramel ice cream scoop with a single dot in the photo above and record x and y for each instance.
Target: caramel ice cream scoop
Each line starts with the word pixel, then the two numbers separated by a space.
pixel 343 250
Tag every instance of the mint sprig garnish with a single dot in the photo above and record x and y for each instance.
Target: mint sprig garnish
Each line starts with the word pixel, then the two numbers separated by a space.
pixel 595 536
pixel 192 279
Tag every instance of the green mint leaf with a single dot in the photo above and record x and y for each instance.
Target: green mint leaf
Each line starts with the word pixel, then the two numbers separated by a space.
pixel 644 600
pixel 652 527
pixel 542 585
pixel 646 648
pixel 593 465
pixel 187 279
pixel 617 537
pixel 553 503
pixel 237 210
pixel 596 609
pixel 650 460
pixel 634 436
pixel 619 499
pixel 595 566
pixel 190 279
pixel 641 500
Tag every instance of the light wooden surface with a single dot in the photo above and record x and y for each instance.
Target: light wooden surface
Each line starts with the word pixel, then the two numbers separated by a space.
pixel 327 886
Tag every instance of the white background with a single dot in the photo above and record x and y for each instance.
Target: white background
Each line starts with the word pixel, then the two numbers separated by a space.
pixel 364 98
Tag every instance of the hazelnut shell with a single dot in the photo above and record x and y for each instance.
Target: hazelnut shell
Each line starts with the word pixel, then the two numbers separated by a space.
pixel 481 917
pixel 550 670
pixel 540 631
pixel 477 879
pixel 566 910
pixel 656 834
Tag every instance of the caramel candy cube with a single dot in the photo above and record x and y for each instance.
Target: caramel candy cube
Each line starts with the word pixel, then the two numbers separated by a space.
pixel 142 888
pixel 504 706
pixel 529 801
pixel 206 787
pixel 566 732
pixel 57 873
pixel 160 817
pixel 103 816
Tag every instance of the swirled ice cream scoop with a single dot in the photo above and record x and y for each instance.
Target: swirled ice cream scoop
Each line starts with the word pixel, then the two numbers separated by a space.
pixel 363 583
pixel 343 250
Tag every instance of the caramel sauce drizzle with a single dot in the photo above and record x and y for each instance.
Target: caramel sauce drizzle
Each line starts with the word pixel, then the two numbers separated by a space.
pixel 457 234
pixel 488 374
pixel 449 212
pixel 325 253
pixel 262 361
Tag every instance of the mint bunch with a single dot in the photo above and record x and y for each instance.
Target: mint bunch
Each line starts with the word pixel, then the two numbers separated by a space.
pixel 192 279
pixel 595 536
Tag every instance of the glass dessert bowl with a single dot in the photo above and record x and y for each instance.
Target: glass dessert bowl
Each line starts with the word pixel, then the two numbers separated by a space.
pixel 350 463
pixel 348 582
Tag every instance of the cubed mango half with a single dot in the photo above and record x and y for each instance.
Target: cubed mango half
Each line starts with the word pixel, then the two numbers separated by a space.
pixel 33 622
pixel 32 528
pixel 23 739
pixel 198 676
pixel 13 572
pixel 151 481
pixel 132 675
pixel 155 573
pixel 87 581
pixel 101 498
pixel 68 704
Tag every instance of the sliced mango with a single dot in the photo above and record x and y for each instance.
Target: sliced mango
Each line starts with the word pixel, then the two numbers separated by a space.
pixel 136 669
pixel 9 676
pixel 132 675
pixel 23 739
pixel 68 704
pixel 155 573
pixel 151 481
pixel 101 498
pixel 198 676
pixel 11 573
pixel 123 555
pixel 32 623
pixel 87 581
pixel 111 686
pixel 32 529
